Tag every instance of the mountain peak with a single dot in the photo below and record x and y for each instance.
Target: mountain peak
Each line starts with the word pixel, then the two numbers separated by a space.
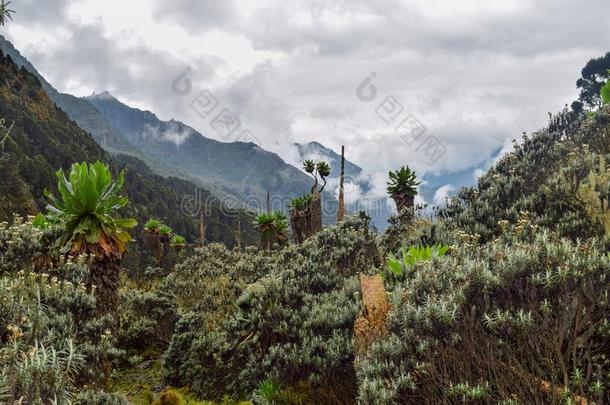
pixel 104 95
pixel 315 150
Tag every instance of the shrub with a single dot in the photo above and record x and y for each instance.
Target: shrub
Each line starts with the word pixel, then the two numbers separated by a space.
pixel 605 93
pixel 293 324
pixel 146 319
pixel 47 329
pixel 20 244
pixel 496 322
pixel 169 397
pixel 89 397
pixel 212 279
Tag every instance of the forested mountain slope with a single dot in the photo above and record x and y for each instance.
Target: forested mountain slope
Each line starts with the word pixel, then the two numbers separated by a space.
pixel 43 139
pixel 558 176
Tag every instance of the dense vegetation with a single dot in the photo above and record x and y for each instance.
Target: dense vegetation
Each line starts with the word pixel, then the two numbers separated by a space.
pixel 503 297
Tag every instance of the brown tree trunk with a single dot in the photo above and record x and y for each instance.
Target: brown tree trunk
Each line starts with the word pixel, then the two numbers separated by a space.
pixel 268 238
pixel 404 202
pixel 315 211
pixel 104 274
pixel 299 225
pixel 155 245
pixel 371 324
pixel 341 208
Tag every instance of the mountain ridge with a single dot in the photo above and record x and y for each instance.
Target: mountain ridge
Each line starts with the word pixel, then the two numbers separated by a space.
pixel 241 170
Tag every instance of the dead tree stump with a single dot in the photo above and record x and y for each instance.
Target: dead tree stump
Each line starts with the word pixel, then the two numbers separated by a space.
pixel 371 324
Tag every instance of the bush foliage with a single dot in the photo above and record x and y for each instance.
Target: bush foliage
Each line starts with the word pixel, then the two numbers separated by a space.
pixel 293 324
pixel 503 320
pixel 50 341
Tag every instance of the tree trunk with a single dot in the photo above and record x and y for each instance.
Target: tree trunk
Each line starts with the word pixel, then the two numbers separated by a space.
pixel 268 238
pixel 104 274
pixel 268 203
pixel 341 208
pixel 201 229
pixel 315 212
pixel 371 324
pixel 299 225
pixel 238 235
pixel 153 240
pixel 404 202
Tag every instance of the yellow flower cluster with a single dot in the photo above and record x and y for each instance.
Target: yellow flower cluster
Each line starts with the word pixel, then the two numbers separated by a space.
pixel 468 239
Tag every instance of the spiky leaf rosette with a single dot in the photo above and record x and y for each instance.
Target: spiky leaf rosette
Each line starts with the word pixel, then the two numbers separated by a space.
pixel 177 242
pixel 5 12
pixel 280 224
pixel 402 182
pixel 402 186
pixel 271 222
pixel 323 169
pixel 301 203
pixel 264 222
pixel 86 210
pixel 165 230
pixel 273 228
pixel 309 166
pixel 152 225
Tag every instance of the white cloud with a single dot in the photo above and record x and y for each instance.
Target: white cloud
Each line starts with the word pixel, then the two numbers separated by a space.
pixel 474 72
pixel 441 195
pixel 173 133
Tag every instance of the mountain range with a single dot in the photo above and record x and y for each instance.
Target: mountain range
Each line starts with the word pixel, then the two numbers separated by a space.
pixel 237 169
pixel 238 173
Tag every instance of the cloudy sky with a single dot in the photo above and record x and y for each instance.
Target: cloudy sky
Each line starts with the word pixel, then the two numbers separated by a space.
pixel 474 74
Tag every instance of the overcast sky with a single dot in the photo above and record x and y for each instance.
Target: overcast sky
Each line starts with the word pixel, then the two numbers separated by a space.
pixel 474 73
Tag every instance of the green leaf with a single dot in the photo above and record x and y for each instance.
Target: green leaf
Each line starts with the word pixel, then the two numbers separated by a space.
pixel 394 265
pixel 40 222
pixel 126 223
pixel 605 93
pixel 86 207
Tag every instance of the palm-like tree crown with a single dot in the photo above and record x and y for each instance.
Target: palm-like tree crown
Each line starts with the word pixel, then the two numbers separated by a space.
pixel 267 222
pixel 309 166
pixel 301 203
pixel 272 227
pixel 402 183
pixel 5 12
pixel 323 169
pixel 87 211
